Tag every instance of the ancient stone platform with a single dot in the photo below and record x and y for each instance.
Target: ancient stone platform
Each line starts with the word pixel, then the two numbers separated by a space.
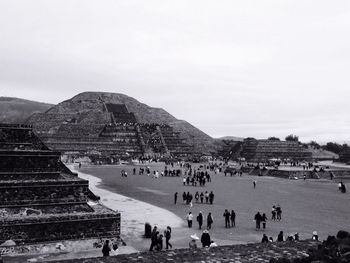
pixel 41 199
pixel 251 253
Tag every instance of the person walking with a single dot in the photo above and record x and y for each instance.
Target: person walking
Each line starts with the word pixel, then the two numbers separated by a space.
pixel 273 212
pixel 196 196
pixel 227 218
pixel 233 218
pixel 175 198
pixel 167 234
pixel 257 219
pixel 279 212
pixel 201 197
pixel 200 219
pixel 263 220
pixel 206 194
pixel 210 221
pixel 211 197
pixel 154 239
pixel 189 218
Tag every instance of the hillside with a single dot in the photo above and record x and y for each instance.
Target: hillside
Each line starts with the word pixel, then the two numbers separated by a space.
pixel 14 110
pixel 93 102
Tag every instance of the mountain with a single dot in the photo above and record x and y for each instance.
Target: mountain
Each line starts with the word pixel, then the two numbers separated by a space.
pixel 86 103
pixel 15 110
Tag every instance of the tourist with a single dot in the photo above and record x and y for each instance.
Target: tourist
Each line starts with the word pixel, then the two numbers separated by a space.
pixel 227 218
pixel 184 181
pixel 264 239
pixel 189 218
pixel 258 219
pixel 196 196
pixel 200 219
pixel 280 237
pixel 264 219
pixel 210 221
pixel 279 212
pixel 233 218
pixel 193 244
pixel 201 196
pixel 211 197
pixel 315 236
pixel 270 239
pixel 154 239
pixel 273 212
pixel 167 234
pixel 175 198
pixel 254 184
pixel 159 246
pixel 205 239
pixel 296 236
pixel 184 197
pixel 106 249
pixel 134 171
pixel 206 194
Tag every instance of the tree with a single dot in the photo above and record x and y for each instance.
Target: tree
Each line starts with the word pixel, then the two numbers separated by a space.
pixel 314 145
pixel 292 138
pixel 273 138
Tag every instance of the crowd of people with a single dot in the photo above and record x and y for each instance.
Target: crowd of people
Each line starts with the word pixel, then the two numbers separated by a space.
pixel 199 198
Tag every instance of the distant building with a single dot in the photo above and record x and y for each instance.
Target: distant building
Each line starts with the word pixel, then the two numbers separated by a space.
pixel 262 150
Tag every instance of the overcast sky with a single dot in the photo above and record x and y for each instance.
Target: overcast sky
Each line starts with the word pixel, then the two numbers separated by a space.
pixel 241 68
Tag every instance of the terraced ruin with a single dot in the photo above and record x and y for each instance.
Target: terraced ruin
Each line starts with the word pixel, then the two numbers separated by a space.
pixel 114 125
pixel 40 198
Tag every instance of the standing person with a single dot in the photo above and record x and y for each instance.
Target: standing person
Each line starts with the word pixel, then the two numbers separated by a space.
pixel 254 184
pixel 264 219
pixel 196 196
pixel 200 219
pixel 106 249
pixel 273 212
pixel 280 237
pixel 210 221
pixel 211 197
pixel 206 194
pixel 233 218
pixel 134 171
pixel 184 197
pixel 175 198
pixel 167 234
pixel 227 218
pixel 205 239
pixel 279 212
pixel 201 197
pixel 189 218
pixel 257 219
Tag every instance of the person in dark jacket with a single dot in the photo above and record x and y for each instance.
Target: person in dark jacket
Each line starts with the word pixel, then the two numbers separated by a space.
pixel 175 198
pixel 200 219
pixel 167 234
pixel 233 218
pixel 205 239
pixel 201 197
pixel 258 219
pixel 154 239
pixel 106 248
pixel 280 237
pixel 211 197
pixel 263 220
pixel 209 221
pixel 227 218
pixel 265 239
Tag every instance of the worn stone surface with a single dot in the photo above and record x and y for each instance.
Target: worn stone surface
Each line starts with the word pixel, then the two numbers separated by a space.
pixel 238 253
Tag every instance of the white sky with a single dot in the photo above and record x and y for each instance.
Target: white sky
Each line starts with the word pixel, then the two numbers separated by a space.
pixel 243 68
